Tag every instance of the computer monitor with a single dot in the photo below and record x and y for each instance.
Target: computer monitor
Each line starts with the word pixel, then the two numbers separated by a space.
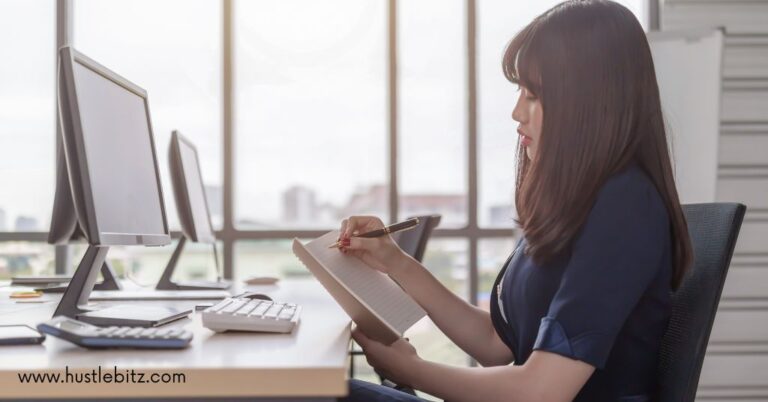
pixel 114 178
pixel 188 190
pixel 194 216
pixel 65 228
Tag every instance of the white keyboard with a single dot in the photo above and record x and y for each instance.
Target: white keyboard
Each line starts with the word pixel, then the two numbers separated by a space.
pixel 243 314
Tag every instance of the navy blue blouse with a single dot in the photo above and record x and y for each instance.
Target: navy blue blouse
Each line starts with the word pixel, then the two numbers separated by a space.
pixel 605 300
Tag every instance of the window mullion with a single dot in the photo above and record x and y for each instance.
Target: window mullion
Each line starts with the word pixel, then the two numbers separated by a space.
pixel 64 33
pixel 393 102
pixel 228 99
pixel 472 148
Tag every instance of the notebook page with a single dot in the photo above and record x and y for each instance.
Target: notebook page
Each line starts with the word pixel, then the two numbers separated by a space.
pixel 374 288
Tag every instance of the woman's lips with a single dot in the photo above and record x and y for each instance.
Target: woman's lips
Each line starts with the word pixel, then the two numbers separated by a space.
pixel 526 140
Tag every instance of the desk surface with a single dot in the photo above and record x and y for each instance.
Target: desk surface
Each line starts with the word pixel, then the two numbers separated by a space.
pixel 311 361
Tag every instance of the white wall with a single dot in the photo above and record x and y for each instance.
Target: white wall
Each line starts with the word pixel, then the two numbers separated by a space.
pixel 736 367
pixel 688 68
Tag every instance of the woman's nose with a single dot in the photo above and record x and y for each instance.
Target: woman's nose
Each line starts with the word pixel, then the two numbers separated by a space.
pixel 518 113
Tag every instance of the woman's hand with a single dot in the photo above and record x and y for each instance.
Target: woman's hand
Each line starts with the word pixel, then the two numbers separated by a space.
pixel 381 253
pixel 396 362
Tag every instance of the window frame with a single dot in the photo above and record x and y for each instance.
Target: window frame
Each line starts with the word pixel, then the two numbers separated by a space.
pixel 229 234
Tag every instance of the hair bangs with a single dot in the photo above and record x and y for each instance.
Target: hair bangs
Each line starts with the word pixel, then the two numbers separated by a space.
pixel 521 61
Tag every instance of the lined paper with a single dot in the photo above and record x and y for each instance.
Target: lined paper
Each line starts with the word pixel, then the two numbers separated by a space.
pixel 375 289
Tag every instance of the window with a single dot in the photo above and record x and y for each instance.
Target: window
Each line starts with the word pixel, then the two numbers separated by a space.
pixel 498 21
pixel 492 253
pixel 144 265
pixel 448 260
pixel 311 126
pixel 172 49
pixel 432 109
pixel 27 115
pixel 310 116
pixel 25 258
pixel 268 258
pixel 27 132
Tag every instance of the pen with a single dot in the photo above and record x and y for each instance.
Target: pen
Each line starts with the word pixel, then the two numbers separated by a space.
pixel 393 228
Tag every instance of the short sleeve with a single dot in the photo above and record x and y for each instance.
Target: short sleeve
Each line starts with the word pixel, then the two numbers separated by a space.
pixel 613 260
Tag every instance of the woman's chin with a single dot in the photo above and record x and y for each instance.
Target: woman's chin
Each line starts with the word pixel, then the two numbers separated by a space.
pixel 529 152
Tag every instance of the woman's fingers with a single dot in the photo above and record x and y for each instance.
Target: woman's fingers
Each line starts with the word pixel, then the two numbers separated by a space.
pixel 372 250
pixel 350 227
pixel 360 224
pixel 343 228
pixel 363 244
pixel 360 338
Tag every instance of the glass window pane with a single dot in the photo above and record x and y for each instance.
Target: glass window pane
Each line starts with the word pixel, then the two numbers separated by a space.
pixel 432 110
pixel 173 50
pixel 447 259
pixel 311 116
pixel 142 266
pixel 498 22
pixel 491 256
pixel 268 258
pixel 639 8
pixel 19 258
pixel 27 114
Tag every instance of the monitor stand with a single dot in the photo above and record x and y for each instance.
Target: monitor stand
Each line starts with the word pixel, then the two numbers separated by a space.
pixel 109 281
pixel 74 302
pixel 165 282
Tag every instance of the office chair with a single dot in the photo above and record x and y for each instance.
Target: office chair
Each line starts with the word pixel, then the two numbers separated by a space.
pixel 714 229
pixel 414 243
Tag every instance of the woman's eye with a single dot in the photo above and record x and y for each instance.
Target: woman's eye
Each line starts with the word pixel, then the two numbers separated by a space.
pixel 527 94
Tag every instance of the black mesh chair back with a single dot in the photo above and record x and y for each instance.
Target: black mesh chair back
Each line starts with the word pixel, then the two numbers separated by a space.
pixel 713 228
pixel 414 241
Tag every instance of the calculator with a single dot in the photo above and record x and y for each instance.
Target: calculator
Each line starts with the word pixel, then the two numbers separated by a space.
pixel 245 314
pixel 91 336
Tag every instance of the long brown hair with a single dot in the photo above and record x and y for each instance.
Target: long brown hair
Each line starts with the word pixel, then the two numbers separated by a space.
pixel 590 65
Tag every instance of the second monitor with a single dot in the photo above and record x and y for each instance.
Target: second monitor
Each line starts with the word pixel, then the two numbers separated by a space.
pixel 194 216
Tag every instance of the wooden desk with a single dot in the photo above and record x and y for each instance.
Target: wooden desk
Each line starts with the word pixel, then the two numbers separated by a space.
pixel 312 362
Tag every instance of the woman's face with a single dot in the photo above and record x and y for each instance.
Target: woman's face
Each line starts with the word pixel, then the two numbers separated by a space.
pixel 529 114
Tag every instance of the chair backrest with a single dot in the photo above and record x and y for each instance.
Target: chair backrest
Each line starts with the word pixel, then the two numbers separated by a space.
pixel 713 228
pixel 414 241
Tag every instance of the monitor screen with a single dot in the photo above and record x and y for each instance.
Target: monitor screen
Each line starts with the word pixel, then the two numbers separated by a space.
pixel 195 193
pixel 120 158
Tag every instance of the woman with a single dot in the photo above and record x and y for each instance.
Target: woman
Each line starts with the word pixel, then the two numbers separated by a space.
pixel 579 309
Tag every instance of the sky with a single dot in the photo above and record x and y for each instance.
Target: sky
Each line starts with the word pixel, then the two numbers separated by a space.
pixel 310 92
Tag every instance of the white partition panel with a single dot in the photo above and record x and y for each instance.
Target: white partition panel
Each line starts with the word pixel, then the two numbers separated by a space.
pixel 688 69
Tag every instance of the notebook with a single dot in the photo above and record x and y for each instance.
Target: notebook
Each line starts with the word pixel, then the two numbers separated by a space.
pixel 373 300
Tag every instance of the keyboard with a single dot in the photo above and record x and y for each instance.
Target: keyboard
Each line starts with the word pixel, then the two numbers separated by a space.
pixel 90 336
pixel 244 314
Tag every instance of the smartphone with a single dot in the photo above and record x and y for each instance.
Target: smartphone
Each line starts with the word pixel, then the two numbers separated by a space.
pixel 19 335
